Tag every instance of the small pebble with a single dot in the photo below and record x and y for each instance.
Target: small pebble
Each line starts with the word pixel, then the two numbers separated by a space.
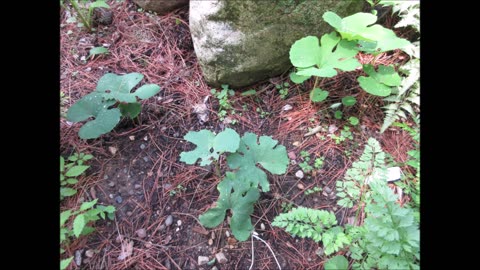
pixel 105 177
pixel 78 257
pixel 287 107
pixel 131 138
pixel 221 257
pixel 227 233
pixel 262 226
pixel 145 159
pixel 169 220
pixel 142 146
pixel 112 150
pixel 202 260
pixel 214 268
pixel 148 244
pixel 292 155
pixel 89 253
pixel 300 186
pixel 111 196
pixel 328 190
pixel 142 233
pixel 179 223
pixel 145 138
pixel 138 186
pixel 210 241
pixel 111 184
pixel 162 227
pixel 118 199
pixel 299 174
pixel 297 143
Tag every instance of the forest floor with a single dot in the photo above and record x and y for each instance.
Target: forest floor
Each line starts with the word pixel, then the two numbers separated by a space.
pixel 136 167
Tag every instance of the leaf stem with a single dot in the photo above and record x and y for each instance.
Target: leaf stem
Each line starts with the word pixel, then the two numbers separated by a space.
pixel 80 14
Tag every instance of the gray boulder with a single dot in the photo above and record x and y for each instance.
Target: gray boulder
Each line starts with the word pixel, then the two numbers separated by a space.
pixel 242 42
pixel 161 7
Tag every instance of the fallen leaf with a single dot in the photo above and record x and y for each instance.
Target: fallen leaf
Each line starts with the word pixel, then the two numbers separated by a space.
pixel 200 230
pixel 127 250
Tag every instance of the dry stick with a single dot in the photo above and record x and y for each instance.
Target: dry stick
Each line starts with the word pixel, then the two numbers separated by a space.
pixel 254 234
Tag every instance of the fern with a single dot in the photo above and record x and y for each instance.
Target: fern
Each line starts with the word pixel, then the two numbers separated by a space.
pixel 407 98
pixel 391 236
pixel 315 224
pixel 371 164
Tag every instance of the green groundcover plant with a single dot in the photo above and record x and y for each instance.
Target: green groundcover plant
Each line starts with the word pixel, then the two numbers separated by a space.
pixel 111 99
pixel 337 50
pixel 239 189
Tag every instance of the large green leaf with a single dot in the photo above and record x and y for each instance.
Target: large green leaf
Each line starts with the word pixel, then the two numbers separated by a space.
pixel 375 38
pixel 78 224
pixel 305 52
pixel 317 95
pixel 118 87
pixel 131 110
pixel 88 205
pixel 379 83
pixel 267 153
pixel 209 146
pixel 88 106
pixel 239 197
pixel 314 60
pixel 105 122
pixel 64 216
pixel 76 170
pixel 336 263
pixel 62 164
pixel 65 262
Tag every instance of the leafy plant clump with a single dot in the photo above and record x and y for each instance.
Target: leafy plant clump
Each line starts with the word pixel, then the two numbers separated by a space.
pixel 223 102
pixel 111 99
pixel 318 225
pixel 69 171
pixel 353 187
pixel 239 189
pixel 82 217
pixel 337 52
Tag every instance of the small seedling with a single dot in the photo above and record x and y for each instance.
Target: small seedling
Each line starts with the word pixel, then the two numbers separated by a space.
pixel 345 134
pixel 283 89
pixel 263 113
pixel 312 190
pixel 306 159
pixel 318 162
pixel 223 102
pixel 353 120
pixel 338 115
pixel 97 51
pixel 286 206
pixel 176 190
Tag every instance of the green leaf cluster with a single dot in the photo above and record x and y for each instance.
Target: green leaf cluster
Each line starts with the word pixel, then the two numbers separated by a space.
pixel 337 52
pixel 111 89
pixel 85 215
pixel 239 189
pixel 223 101
pixel 69 171
pixel 370 164
pixel 391 237
pixel 318 225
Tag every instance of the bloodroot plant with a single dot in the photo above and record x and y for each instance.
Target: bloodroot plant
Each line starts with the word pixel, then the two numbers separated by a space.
pixel 239 189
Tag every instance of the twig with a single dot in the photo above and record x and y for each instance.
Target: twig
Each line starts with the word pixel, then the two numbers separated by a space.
pixel 254 234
